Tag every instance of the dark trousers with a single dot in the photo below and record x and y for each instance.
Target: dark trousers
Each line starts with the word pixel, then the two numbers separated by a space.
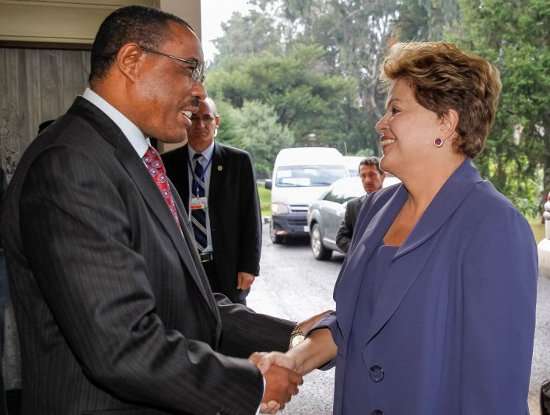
pixel 545 398
pixel 3 301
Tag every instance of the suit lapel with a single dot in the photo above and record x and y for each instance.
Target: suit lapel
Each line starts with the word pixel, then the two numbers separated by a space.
pixel 412 256
pixel 217 171
pixel 146 186
pixel 349 284
pixel 199 275
pixel 183 173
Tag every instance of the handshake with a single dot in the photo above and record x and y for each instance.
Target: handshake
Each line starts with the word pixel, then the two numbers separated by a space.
pixel 281 379
pixel 283 372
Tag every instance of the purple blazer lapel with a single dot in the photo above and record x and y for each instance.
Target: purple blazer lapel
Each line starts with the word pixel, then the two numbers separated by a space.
pixel 412 256
pixel 348 285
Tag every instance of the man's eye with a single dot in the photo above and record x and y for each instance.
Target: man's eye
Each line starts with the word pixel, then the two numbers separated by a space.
pixel 394 110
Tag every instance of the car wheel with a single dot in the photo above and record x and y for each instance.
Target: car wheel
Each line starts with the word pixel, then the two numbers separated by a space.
pixel 319 251
pixel 276 239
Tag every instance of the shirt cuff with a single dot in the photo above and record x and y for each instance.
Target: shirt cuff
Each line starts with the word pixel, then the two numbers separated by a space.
pixel 263 392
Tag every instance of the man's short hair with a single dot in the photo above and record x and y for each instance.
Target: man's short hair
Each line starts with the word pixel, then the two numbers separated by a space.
pixel 138 24
pixel 371 161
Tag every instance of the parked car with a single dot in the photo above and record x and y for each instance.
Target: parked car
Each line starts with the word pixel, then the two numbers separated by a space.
pixel 326 214
pixel 352 164
pixel 300 176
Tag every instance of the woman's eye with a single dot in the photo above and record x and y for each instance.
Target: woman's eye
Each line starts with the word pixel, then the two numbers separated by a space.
pixel 394 110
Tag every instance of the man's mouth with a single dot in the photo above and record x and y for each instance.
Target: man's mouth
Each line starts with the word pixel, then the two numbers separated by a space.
pixel 386 141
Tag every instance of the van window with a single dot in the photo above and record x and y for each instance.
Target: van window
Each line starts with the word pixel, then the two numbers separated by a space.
pixel 308 176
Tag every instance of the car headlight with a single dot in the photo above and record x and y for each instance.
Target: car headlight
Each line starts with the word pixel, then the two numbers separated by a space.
pixel 279 209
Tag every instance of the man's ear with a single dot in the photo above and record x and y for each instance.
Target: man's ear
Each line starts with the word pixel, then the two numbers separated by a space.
pixel 217 121
pixel 449 124
pixel 129 59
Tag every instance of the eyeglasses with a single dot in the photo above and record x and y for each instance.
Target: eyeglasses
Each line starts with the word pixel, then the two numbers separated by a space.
pixel 197 68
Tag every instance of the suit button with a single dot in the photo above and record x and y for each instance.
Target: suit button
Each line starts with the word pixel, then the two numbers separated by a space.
pixel 377 412
pixel 376 373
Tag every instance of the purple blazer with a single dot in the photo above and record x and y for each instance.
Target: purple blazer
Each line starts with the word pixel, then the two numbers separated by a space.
pixel 452 329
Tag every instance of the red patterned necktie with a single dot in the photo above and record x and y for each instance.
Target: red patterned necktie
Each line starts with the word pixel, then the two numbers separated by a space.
pixel 156 169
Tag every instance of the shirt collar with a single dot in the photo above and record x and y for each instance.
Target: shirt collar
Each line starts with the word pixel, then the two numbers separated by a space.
pixel 137 139
pixel 207 153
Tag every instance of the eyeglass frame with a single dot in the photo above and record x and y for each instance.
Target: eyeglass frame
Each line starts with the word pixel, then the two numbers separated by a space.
pixel 197 70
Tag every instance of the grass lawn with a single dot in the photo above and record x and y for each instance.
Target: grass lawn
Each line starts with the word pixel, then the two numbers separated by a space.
pixel 538 229
pixel 265 200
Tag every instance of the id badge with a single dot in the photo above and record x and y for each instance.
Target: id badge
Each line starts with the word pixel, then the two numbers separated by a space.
pixel 199 203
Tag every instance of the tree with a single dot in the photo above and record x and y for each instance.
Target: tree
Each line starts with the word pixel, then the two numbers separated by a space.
pixel 254 128
pixel 425 20
pixel 514 35
pixel 305 100
pixel 247 35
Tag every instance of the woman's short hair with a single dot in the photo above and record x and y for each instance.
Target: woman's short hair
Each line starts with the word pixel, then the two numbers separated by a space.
pixel 443 77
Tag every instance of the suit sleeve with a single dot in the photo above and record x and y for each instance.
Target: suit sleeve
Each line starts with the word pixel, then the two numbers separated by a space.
pixel 76 229
pixel 246 332
pixel 250 233
pixel 345 231
pixel 499 294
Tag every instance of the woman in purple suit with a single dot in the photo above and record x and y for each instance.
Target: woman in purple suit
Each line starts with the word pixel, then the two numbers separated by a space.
pixel 435 303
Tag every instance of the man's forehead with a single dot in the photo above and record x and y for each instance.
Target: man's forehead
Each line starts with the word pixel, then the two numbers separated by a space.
pixel 185 40
pixel 367 167
pixel 206 108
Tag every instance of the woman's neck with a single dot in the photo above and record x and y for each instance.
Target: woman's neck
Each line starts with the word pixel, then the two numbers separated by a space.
pixel 425 183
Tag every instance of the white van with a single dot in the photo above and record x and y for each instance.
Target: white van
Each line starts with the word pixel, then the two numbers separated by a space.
pixel 300 176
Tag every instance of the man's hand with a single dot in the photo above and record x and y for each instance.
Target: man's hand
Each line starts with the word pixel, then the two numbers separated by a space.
pixel 281 382
pixel 244 280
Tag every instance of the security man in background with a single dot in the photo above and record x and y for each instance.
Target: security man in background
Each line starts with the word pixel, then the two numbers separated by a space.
pixel 218 187
pixel 372 177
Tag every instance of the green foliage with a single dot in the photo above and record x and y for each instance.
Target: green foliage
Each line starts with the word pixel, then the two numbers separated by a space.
pixel 514 36
pixel 254 128
pixel 304 100
pixel 265 200
pixel 314 67
pixel 247 35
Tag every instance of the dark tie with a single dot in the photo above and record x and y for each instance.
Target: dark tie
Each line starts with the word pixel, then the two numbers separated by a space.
pixel 198 216
pixel 156 169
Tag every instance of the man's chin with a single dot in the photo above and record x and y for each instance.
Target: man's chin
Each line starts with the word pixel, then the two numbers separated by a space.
pixel 174 139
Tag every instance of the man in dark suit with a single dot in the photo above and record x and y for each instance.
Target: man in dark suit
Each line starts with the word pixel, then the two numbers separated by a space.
pixel 3 300
pixel 372 177
pixel 230 240
pixel 112 304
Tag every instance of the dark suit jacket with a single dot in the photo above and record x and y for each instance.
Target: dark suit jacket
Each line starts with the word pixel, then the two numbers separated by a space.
pixel 451 331
pixel 345 231
pixel 3 300
pixel 233 209
pixel 114 311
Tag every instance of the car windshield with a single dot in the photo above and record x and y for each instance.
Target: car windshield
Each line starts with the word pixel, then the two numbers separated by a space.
pixel 308 176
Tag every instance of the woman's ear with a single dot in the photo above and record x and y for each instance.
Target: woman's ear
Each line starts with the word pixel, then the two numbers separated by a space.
pixel 128 60
pixel 449 124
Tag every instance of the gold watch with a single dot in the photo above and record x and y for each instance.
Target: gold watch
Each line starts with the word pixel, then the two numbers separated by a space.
pixel 296 337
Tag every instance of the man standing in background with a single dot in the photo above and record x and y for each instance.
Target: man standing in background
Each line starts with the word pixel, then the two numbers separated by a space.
pixel 372 178
pixel 218 187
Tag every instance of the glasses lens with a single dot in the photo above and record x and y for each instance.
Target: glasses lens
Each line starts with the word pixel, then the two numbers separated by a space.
pixel 198 73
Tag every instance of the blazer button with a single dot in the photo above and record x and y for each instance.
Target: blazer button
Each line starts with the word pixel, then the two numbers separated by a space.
pixel 377 412
pixel 376 373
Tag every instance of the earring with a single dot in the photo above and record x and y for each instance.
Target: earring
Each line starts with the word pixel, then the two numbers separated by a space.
pixel 438 142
